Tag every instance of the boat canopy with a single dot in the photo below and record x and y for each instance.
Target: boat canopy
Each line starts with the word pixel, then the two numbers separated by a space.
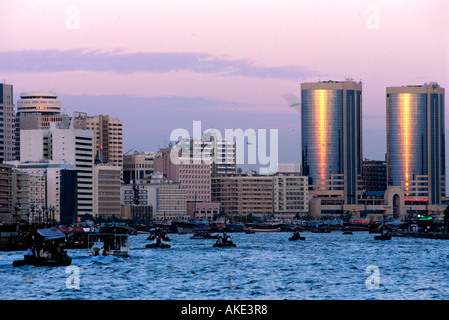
pixel 202 229
pixel 51 233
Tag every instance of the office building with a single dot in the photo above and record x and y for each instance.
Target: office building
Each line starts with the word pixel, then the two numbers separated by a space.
pixel 244 195
pixel 7 123
pixel 416 142
pixel 36 110
pixel 290 194
pixel 72 145
pixel 139 165
pixel 52 188
pixel 107 191
pixel 331 132
pixel 374 175
pixel 108 138
pixel 167 199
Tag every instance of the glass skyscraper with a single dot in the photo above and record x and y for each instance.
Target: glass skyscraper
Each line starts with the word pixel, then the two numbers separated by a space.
pixel 331 136
pixel 416 142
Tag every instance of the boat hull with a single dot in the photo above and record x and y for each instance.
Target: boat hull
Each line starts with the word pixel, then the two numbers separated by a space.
pixel 42 262
pixel 223 245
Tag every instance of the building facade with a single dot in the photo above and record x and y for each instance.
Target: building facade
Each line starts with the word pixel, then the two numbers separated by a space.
pixel 416 141
pixel 108 138
pixel 138 166
pixel 71 145
pixel 7 123
pixel 244 194
pixel 331 131
pixel 168 200
pixel 52 184
pixel 374 175
pixel 107 191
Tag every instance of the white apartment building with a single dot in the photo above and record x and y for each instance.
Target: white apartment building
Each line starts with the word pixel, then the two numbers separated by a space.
pixel 67 144
pixel 51 185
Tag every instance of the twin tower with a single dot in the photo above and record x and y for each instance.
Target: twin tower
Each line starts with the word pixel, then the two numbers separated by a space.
pixel 331 131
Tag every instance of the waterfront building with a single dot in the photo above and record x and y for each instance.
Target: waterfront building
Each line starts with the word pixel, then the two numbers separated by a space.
pixel 6 205
pixel 139 165
pixel 73 145
pixel 107 191
pixel 108 138
pixel 331 132
pixel 374 175
pixel 291 194
pixel 167 199
pixel 191 172
pixel 222 152
pixel 416 142
pixel 20 195
pixel 52 189
pixel 7 123
pixel 244 194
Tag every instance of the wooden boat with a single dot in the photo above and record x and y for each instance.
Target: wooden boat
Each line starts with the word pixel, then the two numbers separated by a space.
pixel 383 237
pixel 64 260
pixel 203 233
pixel 157 245
pixel 225 244
pixel 45 248
pixel 296 236
pixel 104 244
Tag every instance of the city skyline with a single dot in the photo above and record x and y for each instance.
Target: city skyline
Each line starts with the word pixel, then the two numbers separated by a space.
pixel 158 67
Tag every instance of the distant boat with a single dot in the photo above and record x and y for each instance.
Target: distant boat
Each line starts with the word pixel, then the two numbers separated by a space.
pixel 158 245
pixel 250 230
pixel 321 230
pixel 296 236
pixel 105 244
pixel 203 233
pixel 383 237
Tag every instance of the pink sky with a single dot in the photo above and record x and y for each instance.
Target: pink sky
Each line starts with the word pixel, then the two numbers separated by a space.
pixel 249 46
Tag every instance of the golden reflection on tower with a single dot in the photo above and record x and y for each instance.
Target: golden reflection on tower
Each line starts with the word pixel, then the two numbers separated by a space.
pixel 322 134
pixel 404 101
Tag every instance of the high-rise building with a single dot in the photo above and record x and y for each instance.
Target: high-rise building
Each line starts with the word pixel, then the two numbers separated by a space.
pixel 331 132
pixel 108 137
pixel 39 102
pixel 36 110
pixel 72 145
pixel 416 141
pixel 107 191
pixel 138 166
pixel 7 123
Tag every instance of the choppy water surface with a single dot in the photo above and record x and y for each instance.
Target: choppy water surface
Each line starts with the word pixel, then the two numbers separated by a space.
pixel 262 266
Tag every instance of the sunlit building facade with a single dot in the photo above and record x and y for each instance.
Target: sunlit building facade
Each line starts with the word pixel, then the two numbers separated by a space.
pixel 416 142
pixel 331 133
